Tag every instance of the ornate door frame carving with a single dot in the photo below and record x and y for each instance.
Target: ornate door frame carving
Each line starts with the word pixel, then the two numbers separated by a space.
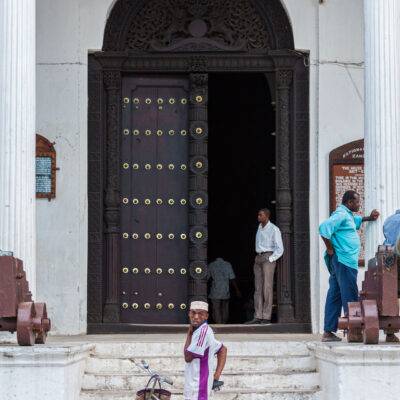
pixel 292 155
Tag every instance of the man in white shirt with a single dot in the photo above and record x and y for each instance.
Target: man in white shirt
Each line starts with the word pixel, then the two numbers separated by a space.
pixel 201 350
pixel 269 247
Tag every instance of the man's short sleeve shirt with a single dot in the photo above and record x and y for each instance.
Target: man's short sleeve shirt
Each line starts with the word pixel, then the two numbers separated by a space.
pixel 199 373
pixel 341 229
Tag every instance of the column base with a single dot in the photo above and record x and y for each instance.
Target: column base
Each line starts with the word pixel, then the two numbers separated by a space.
pixel 43 372
pixel 357 371
pixel 285 314
pixel 111 313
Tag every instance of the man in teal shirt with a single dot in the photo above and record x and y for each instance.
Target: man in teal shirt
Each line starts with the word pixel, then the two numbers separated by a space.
pixel 339 233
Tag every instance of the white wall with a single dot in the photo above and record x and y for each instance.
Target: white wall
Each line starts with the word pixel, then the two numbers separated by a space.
pixel 333 32
pixel 66 30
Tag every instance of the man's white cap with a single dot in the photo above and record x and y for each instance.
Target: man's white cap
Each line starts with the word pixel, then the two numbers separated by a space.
pixel 199 305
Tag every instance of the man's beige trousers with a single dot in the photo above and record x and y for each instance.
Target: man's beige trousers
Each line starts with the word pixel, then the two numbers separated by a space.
pixel 264 286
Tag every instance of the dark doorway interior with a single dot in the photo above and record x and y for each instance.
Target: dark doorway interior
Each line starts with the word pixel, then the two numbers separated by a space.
pixel 241 153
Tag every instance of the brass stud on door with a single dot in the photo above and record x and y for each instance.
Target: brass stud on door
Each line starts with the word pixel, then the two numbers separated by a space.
pixel 171 236
pixel 183 236
pixel 171 101
pixel 125 165
pixel 125 305
pixel 198 270
pixel 199 99
pixel 171 306
pixel 125 235
pixel 147 306
pixel 135 306
pixel 171 132
pixel 126 132
pixel 171 202
pixel 159 306
pixel 135 166
pixel 199 164
pixel 184 101
pixel 171 271
pixel 199 201
pixel 183 271
pixel 183 306
pixel 183 202
pixel 136 100
pixel 159 236
pixel 125 270
pixel 125 200
pixel 135 270
pixel 159 202
pixel 159 271
pixel 147 132
pixel 147 271
pixel 199 130
pixel 199 235
pixel 183 132
pixel 171 166
pixel 147 202
pixel 136 132
pixel 159 167
pixel 126 100
pixel 183 167
pixel 147 236
pixel 135 201
pixel 160 101
pixel 148 101
pixel 135 236
pixel 147 167
pixel 159 132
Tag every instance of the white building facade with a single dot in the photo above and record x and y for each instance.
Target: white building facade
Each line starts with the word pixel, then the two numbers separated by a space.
pixel 66 32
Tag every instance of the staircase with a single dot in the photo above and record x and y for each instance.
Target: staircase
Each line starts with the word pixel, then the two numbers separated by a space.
pixel 255 370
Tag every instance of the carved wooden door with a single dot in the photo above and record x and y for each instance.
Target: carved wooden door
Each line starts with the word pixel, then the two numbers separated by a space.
pixel 154 197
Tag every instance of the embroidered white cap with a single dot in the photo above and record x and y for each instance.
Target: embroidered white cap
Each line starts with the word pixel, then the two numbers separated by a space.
pixel 199 305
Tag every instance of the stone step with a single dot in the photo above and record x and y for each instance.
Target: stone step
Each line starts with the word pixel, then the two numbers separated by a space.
pixel 147 349
pixel 232 394
pixel 234 364
pixel 245 380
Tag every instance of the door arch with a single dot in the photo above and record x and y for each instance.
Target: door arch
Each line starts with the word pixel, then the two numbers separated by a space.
pixel 193 38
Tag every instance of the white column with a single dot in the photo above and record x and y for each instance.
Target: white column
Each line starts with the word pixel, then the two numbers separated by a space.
pixel 382 113
pixel 17 132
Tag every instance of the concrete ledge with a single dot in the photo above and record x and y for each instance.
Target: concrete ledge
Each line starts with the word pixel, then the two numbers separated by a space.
pixel 358 372
pixel 45 371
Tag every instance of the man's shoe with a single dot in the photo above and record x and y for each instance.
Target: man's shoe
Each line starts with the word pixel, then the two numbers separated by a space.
pixel 392 338
pixel 330 337
pixel 265 321
pixel 253 322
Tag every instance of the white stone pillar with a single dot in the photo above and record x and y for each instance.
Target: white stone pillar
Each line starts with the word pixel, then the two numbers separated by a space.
pixel 382 113
pixel 17 132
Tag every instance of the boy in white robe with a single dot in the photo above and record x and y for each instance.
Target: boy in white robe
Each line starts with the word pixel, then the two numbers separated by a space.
pixel 201 350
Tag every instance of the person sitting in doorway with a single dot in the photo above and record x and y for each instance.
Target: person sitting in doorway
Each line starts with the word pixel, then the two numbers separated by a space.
pixel 269 248
pixel 222 278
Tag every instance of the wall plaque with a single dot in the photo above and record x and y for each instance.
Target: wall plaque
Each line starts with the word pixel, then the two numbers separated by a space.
pixel 45 169
pixel 346 170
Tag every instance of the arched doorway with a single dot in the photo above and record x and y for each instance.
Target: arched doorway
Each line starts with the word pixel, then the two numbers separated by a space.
pixel 149 139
